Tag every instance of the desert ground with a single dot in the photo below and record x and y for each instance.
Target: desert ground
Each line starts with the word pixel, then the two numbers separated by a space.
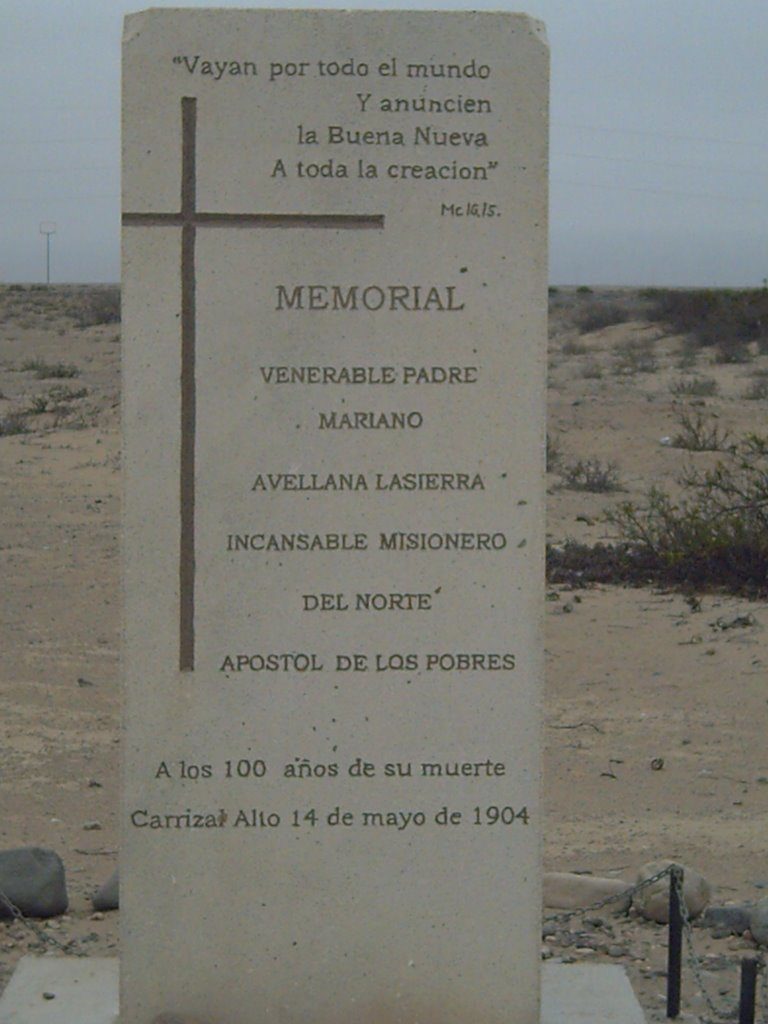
pixel 656 708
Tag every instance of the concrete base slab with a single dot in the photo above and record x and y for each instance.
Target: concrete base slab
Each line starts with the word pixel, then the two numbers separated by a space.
pixel 85 991
pixel 588 994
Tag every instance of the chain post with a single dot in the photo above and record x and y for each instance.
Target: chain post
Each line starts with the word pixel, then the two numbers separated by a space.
pixel 748 990
pixel 675 950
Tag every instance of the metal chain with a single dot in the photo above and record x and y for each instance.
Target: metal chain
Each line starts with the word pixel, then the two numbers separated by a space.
pixel 694 962
pixel 630 891
pixel 70 948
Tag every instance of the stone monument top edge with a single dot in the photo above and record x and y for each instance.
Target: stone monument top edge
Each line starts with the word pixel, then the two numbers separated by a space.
pixel 132 20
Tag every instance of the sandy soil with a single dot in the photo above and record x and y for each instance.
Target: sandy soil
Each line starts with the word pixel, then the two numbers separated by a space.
pixel 634 675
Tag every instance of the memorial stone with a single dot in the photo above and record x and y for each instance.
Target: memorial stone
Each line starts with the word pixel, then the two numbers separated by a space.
pixel 334 347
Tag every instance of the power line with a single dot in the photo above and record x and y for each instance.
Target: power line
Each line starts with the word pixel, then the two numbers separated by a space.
pixel 58 170
pixel 665 163
pixel 661 192
pixel 660 135
pixel 42 199
pixel 45 142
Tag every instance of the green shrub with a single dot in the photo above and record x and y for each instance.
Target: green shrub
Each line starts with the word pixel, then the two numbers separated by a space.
pixel 718 533
pixel 715 536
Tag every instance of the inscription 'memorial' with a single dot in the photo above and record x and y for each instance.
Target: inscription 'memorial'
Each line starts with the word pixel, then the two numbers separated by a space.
pixel 189 219
pixel 333 536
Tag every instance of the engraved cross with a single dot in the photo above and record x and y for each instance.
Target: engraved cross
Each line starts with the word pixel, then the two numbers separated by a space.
pixel 189 218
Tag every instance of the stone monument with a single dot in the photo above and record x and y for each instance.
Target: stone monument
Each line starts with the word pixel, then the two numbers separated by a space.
pixel 334 346
pixel 334 301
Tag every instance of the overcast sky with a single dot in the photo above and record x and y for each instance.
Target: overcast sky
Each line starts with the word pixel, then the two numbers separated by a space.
pixel 659 144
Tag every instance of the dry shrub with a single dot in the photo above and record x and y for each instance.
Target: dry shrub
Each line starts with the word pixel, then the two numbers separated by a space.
pixel 554 452
pixel 100 306
pixel 694 387
pixel 13 423
pixel 46 371
pixel 728 318
pixel 592 370
pixel 699 433
pixel 637 355
pixel 574 347
pixel 595 315
pixel 757 390
pixel 591 475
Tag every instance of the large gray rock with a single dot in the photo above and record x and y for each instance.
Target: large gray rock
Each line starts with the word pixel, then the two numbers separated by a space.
pixel 566 891
pixel 33 880
pixel 108 896
pixel 732 919
pixel 653 902
pixel 758 922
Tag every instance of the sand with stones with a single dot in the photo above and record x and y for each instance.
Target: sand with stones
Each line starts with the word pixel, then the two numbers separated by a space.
pixel 634 675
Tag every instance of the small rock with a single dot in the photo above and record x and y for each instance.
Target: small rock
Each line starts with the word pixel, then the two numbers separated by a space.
pixel 92 826
pixel 653 902
pixel 758 922
pixel 732 919
pixel 566 891
pixel 616 951
pixel 108 896
pixel 49 995
pixel 33 880
pixel 98 916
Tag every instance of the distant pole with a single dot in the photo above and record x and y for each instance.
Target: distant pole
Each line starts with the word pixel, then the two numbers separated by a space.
pixel 47 228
